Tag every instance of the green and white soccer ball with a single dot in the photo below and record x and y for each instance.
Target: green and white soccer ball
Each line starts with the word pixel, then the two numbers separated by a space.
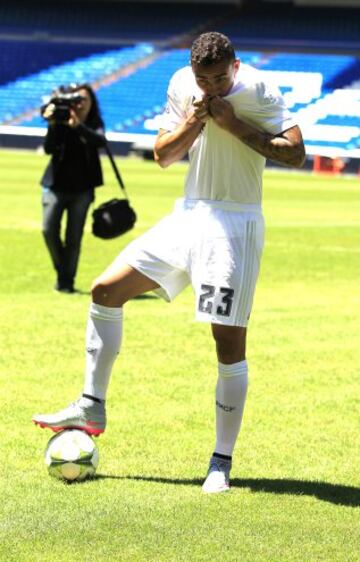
pixel 72 455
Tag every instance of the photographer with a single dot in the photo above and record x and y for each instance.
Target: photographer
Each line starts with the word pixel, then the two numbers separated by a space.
pixel 75 134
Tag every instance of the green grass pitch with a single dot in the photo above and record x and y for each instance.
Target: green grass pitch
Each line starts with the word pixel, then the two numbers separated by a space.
pixel 295 494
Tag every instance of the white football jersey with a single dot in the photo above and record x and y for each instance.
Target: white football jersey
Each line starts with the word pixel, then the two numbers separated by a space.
pixel 221 166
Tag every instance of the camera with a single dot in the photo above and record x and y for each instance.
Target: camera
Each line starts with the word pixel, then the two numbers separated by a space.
pixel 62 103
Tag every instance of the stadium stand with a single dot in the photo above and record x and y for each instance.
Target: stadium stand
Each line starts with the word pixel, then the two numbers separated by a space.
pixel 21 58
pixel 322 89
pixel 276 25
pixel 111 21
pixel 131 103
pixel 24 94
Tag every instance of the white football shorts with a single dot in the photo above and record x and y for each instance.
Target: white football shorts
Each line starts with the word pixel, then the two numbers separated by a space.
pixel 214 245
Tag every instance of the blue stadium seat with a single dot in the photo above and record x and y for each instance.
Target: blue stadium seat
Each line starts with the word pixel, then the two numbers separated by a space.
pixel 26 94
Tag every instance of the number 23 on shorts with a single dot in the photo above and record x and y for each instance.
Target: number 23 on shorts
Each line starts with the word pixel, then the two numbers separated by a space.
pixel 223 304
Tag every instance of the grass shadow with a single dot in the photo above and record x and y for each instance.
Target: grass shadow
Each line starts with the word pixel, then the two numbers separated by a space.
pixel 337 494
pixel 81 292
pixel 145 296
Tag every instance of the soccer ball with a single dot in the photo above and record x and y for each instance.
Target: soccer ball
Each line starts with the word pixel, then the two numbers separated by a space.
pixel 71 455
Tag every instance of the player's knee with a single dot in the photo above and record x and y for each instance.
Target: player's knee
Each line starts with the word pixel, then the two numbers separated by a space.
pixel 230 343
pixel 108 293
pixel 229 354
pixel 100 292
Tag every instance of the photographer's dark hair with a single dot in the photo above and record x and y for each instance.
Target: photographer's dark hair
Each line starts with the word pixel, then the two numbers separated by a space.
pixel 94 118
pixel 211 48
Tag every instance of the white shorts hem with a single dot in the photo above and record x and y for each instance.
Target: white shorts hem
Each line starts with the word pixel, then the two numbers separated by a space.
pixel 223 321
pixel 166 290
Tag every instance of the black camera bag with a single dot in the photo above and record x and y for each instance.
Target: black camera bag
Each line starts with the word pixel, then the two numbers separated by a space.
pixel 114 217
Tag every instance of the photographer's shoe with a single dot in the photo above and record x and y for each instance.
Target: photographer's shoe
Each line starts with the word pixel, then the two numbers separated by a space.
pixel 85 414
pixel 218 476
pixel 64 288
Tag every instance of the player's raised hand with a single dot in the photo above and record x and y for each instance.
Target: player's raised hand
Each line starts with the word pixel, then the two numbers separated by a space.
pixel 201 109
pixel 221 111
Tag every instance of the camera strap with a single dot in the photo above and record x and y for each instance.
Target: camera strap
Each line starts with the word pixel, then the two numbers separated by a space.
pixel 116 170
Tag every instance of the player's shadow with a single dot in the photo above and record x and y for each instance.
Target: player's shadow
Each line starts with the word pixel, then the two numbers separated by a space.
pixel 145 296
pixel 334 493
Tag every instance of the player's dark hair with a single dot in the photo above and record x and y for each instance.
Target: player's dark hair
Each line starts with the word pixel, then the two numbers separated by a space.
pixel 211 48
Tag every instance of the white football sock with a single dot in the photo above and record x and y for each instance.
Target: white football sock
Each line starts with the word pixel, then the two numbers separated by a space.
pixel 103 341
pixel 231 391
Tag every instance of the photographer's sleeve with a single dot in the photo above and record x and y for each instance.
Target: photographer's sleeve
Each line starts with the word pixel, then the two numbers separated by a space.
pixel 54 138
pixel 95 138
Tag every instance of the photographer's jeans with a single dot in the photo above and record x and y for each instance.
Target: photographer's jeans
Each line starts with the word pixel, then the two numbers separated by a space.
pixel 65 253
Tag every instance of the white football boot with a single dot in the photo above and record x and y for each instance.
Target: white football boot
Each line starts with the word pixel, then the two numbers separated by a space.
pixel 85 414
pixel 218 476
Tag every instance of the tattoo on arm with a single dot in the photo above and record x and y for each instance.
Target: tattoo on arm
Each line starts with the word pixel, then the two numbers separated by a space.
pixel 276 148
pixel 286 148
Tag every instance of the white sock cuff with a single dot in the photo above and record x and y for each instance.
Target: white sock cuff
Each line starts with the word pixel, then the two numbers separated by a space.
pixel 239 369
pixel 105 312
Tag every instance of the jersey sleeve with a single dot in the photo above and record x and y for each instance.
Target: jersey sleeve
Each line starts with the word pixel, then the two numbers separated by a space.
pixel 174 113
pixel 272 113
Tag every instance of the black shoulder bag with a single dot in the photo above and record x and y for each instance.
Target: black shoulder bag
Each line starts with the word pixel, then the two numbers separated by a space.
pixel 114 217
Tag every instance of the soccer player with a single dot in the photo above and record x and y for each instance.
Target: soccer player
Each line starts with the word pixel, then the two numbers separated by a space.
pixel 229 119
